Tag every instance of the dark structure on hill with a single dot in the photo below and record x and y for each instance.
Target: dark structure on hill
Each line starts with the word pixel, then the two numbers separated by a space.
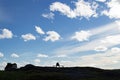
pixel 57 64
pixel 11 67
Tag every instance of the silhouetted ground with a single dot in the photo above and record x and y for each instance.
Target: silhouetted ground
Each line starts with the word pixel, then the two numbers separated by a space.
pixel 65 73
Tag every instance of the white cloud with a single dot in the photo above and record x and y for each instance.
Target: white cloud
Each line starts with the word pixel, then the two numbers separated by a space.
pixel 22 63
pixel 81 36
pixel 1 55
pixel 6 33
pixel 107 60
pixel 2 65
pixel 28 37
pixel 49 15
pixel 37 62
pixel 63 8
pixel 103 60
pixel 67 63
pixel 118 23
pixel 61 55
pixel 14 55
pixel 115 50
pixel 107 36
pixel 39 30
pixel 100 48
pixel 87 9
pixel 52 35
pixel 114 9
pixel 83 9
pixel 101 0
pixel 42 55
pixel 112 39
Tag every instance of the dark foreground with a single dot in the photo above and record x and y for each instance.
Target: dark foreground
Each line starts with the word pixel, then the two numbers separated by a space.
pixel 52 73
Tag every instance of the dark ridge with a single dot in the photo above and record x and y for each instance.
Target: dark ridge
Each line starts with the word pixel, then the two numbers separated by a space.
pixel 31 72
pixel 30 67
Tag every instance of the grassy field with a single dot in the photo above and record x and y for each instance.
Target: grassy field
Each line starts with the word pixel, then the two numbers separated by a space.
pixel 61 74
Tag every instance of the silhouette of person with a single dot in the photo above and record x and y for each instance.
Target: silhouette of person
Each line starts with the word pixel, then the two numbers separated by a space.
pixel 57 64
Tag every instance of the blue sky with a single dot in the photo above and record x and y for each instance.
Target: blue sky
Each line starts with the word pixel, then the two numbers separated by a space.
pixel 72 32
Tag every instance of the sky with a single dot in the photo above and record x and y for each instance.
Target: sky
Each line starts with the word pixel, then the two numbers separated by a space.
pixel 71 32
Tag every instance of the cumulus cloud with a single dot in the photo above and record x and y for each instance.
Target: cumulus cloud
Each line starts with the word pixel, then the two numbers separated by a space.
pixel 81 35
pixel 39 30
pixel 1 55
pixel 114 9
pixel 63 8
pixel 28 37
pixel 42 55
pixel 100 48
pixel 6 33
pixel 48 15
pixel 87 9
pixel 82 9
pixel 52 35
pixel 14 55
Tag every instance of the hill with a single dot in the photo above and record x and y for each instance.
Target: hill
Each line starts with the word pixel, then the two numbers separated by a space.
pixel 31 72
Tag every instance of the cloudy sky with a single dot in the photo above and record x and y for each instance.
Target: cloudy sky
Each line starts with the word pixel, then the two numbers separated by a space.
pixel 72 32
